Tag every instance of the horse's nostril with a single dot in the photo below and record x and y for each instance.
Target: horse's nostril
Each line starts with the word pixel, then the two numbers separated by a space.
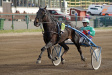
pixel 37 20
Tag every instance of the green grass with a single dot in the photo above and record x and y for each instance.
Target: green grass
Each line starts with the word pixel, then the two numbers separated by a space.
pixel 20 31
pixel 39 30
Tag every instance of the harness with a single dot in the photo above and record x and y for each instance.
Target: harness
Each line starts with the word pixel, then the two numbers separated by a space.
pixel 58 26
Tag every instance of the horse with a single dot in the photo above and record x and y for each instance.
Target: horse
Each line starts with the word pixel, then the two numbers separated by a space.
pixel 51 34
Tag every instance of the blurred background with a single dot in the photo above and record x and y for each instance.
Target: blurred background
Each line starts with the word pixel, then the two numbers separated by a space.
pixel 20 14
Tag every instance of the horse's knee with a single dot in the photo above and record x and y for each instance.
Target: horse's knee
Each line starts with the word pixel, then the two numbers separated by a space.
pixel 43 49
pixel 67 48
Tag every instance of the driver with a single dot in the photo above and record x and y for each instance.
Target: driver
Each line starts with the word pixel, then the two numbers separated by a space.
pixel 87 30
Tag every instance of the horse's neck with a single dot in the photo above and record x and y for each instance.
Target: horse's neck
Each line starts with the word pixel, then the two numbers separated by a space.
pixel 49 25
pixel 46 27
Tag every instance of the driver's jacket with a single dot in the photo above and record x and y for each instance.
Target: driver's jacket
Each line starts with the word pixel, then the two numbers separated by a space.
pixel 90 29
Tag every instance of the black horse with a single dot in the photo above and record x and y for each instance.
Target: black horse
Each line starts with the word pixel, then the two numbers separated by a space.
pixel 51 35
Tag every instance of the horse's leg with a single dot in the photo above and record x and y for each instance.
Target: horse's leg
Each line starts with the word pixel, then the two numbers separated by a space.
pixel 75 40
pixel 66 48
pixel 42 50
pixel 49 53
pixel 80 51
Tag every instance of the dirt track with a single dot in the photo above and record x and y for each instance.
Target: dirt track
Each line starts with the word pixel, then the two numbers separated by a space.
pixel 18 55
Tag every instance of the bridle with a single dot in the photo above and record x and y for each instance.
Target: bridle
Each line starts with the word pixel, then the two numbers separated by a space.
pixel 41 19
pixel 42 13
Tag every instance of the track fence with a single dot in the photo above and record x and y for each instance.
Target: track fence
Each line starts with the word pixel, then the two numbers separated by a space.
pixel 25 21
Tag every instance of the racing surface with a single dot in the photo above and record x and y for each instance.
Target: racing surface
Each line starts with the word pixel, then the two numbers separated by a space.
pixel 18 55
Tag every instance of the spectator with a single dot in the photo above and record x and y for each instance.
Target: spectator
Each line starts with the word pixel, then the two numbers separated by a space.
pixel 33 5
pixel 24 12
pixel 17 12
pixel 29 4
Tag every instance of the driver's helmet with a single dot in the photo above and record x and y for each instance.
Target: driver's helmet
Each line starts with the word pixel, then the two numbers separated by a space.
pixel 86 20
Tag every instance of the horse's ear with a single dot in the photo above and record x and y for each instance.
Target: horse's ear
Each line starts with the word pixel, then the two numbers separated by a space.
pixel 45 7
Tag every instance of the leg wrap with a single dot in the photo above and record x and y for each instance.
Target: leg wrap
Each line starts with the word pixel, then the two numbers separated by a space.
pixel 43 49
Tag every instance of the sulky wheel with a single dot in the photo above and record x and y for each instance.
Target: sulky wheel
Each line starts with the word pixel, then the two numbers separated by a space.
pixel 96 59
pixel 56 55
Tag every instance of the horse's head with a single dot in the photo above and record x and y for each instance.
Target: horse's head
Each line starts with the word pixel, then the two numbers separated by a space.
pixel 40 16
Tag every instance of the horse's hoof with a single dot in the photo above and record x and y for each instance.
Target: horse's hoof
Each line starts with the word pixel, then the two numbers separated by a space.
pixel 38 61
pixel 83 59
pixel 55 58
pixel 63 61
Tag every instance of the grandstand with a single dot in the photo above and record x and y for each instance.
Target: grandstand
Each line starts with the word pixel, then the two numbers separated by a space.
pixel 33 4
pixel 54 3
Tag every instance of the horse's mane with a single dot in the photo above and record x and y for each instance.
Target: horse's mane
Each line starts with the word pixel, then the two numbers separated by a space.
pixel 51 17
pixel 55 20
